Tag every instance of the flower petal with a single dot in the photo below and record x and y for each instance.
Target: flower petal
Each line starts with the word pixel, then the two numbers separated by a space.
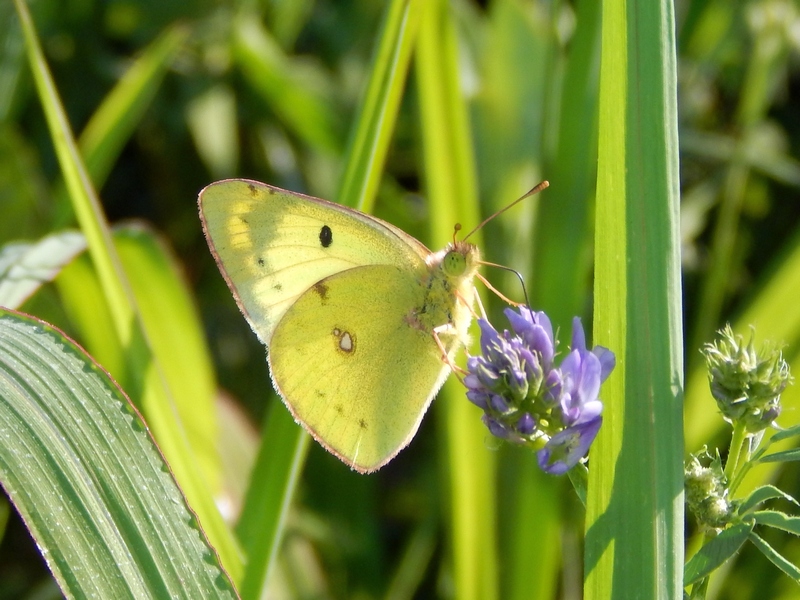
pixel 567 448
pixel 526 425
pixel 489 336
pixel 607 361
pixel 589 382
pixel 578 336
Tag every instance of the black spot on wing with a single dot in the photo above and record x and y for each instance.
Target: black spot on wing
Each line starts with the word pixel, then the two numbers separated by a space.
pixel 325 236
pixel 261 262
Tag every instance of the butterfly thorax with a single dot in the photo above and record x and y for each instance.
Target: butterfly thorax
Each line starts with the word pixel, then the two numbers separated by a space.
pixel 448 293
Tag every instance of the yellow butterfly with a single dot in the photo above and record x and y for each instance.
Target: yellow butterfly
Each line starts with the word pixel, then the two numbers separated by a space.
pixel 361 320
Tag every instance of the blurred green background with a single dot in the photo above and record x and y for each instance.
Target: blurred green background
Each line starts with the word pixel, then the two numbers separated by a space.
pixel 270 90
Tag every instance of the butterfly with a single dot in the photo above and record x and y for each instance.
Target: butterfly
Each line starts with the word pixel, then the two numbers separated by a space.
pixel 361 320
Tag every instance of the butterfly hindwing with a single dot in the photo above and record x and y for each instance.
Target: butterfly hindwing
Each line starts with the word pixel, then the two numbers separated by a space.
pixel 354 368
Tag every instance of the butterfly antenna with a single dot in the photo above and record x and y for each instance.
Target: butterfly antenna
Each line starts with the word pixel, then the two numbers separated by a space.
pixel 456 229
pixel 536 189
pixel 501 296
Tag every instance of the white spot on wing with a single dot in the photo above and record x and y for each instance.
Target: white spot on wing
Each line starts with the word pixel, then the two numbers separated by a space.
pixel 345 341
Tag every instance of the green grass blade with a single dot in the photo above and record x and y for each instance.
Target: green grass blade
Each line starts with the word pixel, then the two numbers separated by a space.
pixel 177 338
pixel 273 481
pixel 286 18
pixel 516 53
pixel 563 228
pixel 70 440
pixel 86 204
pixel 146 384
pixel 413 563
pixel 764 62
pixel 532 508
pixel 369 142
pixel 175 330
pixel 451 182
pixel 635 505
pixel 117 117
pixel 292 89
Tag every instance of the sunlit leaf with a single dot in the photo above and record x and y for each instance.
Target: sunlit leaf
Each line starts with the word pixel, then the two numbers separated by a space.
pixel 81 467
pixel 716 552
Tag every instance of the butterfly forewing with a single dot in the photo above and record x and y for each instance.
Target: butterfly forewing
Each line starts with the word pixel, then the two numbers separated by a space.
pixel 272 245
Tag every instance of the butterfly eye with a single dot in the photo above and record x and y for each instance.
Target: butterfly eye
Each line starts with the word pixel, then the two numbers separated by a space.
pixel 454 264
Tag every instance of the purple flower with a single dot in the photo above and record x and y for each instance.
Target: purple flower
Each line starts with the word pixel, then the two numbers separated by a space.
pixel 567 447
pixel 529 400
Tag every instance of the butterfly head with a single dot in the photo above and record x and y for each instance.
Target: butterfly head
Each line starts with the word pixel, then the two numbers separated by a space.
pixel 459 260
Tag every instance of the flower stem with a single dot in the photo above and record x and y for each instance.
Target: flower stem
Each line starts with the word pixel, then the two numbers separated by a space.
pixel 738 440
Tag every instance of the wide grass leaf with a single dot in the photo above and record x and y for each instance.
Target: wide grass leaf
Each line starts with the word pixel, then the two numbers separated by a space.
pixel 634 535
pixel 80 465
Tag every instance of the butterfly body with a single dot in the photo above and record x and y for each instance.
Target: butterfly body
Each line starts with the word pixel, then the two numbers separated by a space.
pixel 350 308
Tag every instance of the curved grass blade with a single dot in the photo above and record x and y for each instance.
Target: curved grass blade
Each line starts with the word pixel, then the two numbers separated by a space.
pixel 147 384
pixel 86 476
pixel 369 142
pixel 116 118
pixel 291 88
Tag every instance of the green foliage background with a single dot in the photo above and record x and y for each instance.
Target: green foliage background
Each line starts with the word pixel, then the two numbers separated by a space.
pixel 498 96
